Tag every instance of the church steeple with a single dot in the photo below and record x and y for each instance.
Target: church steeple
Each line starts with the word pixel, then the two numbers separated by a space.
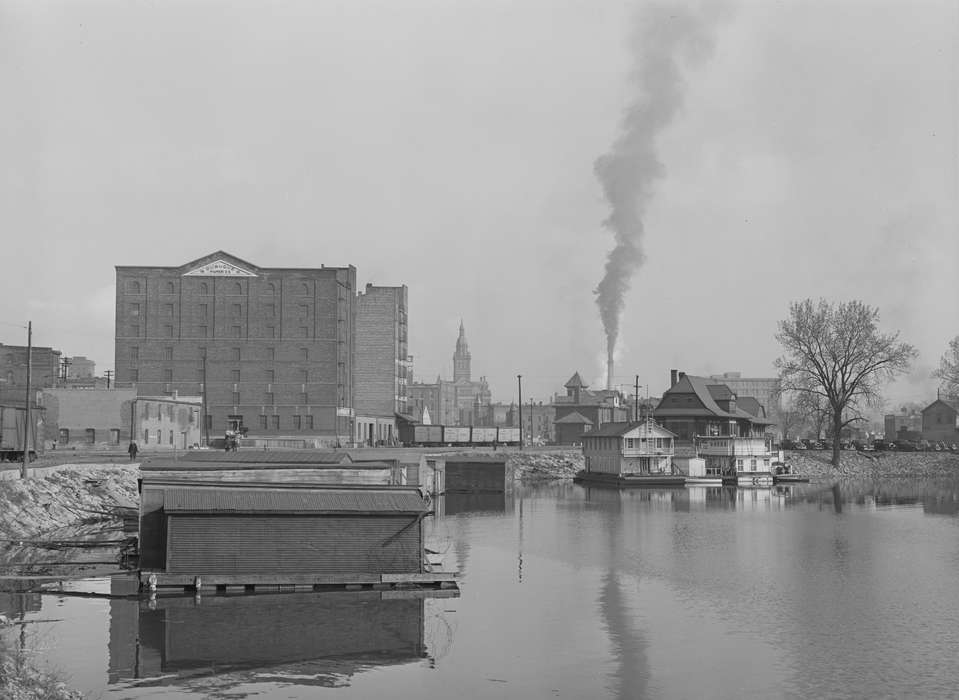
pixel 461 358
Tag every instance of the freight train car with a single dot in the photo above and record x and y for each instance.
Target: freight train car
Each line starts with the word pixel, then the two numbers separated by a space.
pixel 12 421
pixel 416 435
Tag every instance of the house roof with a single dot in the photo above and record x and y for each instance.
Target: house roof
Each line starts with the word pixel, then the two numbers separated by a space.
pixel 951 404
pixel 575 382
pixel 313 501
pixel 619 429
pixel 720 392
pixel 751 405
pixel 575 418
pixel 704 389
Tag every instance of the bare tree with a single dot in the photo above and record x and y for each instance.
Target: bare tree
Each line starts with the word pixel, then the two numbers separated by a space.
pixel 838 353
pixel 948 370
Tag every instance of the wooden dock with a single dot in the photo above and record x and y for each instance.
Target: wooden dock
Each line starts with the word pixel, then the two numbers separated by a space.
pixel 253 583
pixel 631 481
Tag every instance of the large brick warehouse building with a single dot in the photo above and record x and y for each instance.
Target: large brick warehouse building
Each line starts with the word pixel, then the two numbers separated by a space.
pixel 269 350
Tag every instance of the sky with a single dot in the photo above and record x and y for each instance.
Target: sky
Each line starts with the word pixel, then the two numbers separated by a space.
pixel 450 146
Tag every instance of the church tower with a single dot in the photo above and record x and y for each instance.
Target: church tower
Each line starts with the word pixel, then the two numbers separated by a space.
pixel 461 358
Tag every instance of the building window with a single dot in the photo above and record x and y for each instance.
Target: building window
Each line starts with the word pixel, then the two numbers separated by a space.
pixel 170 289
pixel 235 375
pixel 204 288
pixel 303 310
pixel 270 288
pixel 262 422
pixel 236 398
pixel 208 422
pixel 305 289
pixel 159 436
pixel 306 376
pixel 297 423
pixel 237 288
pixel 168 331
pixel 237 309
pixel 235 330
pixel 91 436
pixel 134 309
pixel 168 375
pixel 268 398
pixel 146 436
pixel 276 422
pixel 271 353
pixel 199 374
pixel 169 411
pixel 114 436
pixel 134 353
pixel 168 309
pixel 235 354
pixel 309 422
pixel 271 331
pixel 304 353
pixel 270 375
pixel 171 437
pixel 304 332
pixel 269 309
pixel 203 310
pixel 133 287
pixel 134 375
pixel 303 399
pixel 168 353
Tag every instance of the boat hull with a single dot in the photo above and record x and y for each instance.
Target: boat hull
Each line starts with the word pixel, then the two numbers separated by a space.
pixel 631 480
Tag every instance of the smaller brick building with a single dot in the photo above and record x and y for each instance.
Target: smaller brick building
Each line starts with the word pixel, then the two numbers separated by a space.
pixel 87 418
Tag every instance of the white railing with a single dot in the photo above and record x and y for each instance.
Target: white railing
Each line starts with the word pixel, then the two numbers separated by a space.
pixel 733 446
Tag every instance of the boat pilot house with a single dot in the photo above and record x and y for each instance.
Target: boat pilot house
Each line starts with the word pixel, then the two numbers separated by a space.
pixel 317 534
pixel 626 449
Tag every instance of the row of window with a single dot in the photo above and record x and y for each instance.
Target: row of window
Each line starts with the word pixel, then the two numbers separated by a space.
pixel 203 331
pixel 303 288
pixel 236 354
pixel 269 399
pixel 297 422
pixel 268 376
pixel 203 310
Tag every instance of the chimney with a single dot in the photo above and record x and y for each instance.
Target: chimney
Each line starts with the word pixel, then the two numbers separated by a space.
pixel 609 370
pixel 672 378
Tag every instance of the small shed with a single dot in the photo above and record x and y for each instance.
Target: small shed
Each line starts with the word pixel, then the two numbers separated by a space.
pixel 477 474
pixel 281 530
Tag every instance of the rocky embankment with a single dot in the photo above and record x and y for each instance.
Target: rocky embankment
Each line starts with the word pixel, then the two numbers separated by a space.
pixel 817 465
pixel 71 494
pixel 534 465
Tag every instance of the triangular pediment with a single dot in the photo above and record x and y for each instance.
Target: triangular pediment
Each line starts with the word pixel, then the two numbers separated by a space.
pixel 219 264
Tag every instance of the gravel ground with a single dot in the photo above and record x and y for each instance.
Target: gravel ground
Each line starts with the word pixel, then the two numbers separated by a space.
pixel 816 464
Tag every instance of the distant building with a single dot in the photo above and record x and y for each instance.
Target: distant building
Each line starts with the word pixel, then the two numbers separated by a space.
pixel 896 423
pixel 581 410
pixel 44 366
pixel 381 363
pixel 766 390
pixel 703 407
pixel 270 350
pixel 458 402
pixel 86 417
pixel 940 421
pixel 80 367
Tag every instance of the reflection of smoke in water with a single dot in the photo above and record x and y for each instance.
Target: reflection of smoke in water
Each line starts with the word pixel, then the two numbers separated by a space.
pixel 664 35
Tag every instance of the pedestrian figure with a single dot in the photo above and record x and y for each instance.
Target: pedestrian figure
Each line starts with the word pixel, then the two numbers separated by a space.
pixel 132 449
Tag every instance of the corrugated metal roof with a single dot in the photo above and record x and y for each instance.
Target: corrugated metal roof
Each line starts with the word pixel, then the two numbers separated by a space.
pixel 187 500
pixel 256 457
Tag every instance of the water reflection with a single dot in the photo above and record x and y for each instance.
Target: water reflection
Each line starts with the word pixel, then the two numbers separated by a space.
pixel 935 496
pixel 320 639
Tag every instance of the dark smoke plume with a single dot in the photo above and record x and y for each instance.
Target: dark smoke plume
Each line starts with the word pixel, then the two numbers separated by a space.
pixel 665 35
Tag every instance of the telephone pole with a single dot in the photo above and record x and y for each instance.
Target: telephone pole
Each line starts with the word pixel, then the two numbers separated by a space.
pixel 28 413
pixel 531 414
pixel 109 375
pixel 519 380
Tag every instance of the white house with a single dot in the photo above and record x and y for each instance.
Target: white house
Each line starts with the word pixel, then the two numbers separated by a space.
pixel 629 449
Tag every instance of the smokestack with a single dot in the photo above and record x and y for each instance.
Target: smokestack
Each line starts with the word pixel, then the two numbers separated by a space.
pixel 673 378
pixel 609 369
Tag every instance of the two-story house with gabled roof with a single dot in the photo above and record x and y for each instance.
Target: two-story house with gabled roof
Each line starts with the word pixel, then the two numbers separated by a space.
pixel 581 410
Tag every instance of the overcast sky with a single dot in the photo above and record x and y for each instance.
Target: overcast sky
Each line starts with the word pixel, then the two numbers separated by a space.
pixel 449 146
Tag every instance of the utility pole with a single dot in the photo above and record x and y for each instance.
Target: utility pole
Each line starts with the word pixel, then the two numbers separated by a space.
pixel 109 375
pixel 28 415
pixel 206 421
pixel 636 400
pixel 519 380
pixel 531 414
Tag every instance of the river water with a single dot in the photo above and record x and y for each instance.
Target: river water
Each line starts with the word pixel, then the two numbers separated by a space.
pixel 567 591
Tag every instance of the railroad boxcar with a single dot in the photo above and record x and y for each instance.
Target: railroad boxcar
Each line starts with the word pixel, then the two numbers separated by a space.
pixel 12 421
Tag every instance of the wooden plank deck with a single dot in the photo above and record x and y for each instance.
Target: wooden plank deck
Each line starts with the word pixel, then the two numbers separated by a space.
pixel 230 583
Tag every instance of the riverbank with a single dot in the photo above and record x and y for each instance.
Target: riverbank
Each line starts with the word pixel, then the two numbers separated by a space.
pixel 817 465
